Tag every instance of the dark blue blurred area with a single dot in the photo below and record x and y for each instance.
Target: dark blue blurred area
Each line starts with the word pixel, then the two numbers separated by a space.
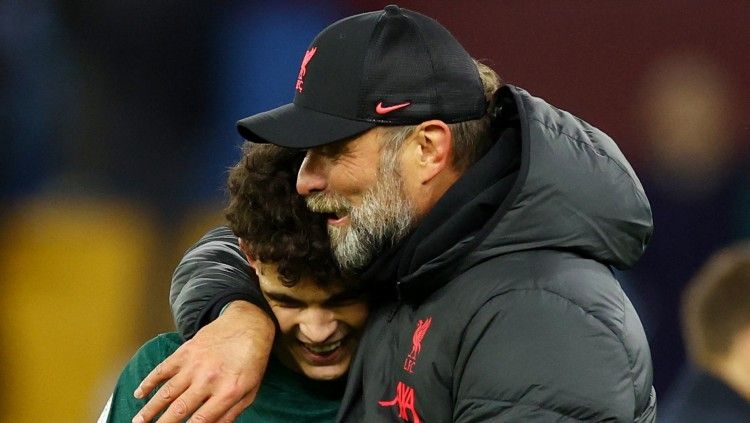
pixel 139 99
pixel 257 56
pixel 35 80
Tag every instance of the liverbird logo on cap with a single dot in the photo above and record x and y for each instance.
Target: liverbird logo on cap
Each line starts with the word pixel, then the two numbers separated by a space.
pixel 303 68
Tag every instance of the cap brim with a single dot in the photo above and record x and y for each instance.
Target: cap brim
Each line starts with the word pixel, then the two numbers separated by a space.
pixel 297 127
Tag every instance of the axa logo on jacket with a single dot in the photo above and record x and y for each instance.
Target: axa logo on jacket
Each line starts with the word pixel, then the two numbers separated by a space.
pixel 404 396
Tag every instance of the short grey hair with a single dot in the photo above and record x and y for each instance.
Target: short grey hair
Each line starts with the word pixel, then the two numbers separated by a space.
pixel 471 138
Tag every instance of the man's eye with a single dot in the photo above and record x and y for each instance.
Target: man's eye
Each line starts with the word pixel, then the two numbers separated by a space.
pixel 332 150
pixel 345 302
pixel 327 151
pixel 289 304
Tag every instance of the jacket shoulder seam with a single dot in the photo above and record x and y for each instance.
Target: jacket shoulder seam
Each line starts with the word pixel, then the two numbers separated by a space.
pixel 581 142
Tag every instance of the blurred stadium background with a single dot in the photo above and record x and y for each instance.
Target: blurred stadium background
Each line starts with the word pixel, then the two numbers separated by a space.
pixel 121 115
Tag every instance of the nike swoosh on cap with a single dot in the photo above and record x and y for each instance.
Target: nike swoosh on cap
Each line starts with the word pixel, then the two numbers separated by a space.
pixel 381 110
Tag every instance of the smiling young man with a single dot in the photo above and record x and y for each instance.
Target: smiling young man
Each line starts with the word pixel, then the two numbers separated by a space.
pixel 319 326
pixel 489 220
pixel 319 315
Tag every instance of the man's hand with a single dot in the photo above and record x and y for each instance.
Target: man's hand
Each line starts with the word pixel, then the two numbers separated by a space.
pixel 214 376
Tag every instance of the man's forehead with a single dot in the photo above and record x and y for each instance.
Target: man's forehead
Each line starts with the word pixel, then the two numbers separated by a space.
pixel 308 287
pixel 347 144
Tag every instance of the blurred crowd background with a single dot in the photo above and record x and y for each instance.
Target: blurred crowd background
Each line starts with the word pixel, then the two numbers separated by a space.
pixel 120 119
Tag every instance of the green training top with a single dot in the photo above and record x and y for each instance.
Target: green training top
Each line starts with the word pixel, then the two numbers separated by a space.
pixel 284 396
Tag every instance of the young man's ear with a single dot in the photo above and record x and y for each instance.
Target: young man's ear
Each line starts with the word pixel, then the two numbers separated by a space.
pixel 245 250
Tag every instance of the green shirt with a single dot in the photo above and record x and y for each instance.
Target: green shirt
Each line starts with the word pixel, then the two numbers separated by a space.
pixel 284 396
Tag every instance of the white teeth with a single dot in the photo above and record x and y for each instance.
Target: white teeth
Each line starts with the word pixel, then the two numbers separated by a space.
pixel 322 349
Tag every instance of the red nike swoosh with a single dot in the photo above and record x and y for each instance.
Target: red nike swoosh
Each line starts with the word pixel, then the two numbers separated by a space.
pixel 381 110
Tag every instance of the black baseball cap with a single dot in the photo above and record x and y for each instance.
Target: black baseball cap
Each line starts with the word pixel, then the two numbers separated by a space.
pixel 389 67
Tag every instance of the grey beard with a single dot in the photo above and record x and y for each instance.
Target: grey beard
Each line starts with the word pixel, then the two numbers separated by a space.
pixel 385 217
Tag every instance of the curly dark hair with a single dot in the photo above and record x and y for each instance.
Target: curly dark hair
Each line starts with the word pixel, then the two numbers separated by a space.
pixel 273 220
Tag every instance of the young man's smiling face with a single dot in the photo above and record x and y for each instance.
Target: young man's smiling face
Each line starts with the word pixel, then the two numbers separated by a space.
pixel 320 326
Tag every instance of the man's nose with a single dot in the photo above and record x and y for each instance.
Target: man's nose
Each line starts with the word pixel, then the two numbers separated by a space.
pixel 317 325
pixel 312 174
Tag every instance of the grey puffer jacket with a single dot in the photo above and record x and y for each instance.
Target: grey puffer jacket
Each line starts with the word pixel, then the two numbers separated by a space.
pixel 507 308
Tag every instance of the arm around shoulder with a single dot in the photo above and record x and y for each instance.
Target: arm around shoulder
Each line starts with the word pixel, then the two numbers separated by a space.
pixel 213 273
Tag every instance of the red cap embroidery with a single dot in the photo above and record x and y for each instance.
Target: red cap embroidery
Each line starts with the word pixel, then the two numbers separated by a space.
pixel 303 68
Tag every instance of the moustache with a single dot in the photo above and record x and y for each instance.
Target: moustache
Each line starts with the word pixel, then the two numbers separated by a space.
pixel 328 203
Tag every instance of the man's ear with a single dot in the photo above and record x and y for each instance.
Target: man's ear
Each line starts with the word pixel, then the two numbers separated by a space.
pixel 433 149
pixel 245 250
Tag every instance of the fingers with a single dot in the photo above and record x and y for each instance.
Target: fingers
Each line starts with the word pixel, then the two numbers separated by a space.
pixel 203 402
pixel 170 393
pixel 215 375
pixel 221 408
pixel 164 371
pixel 183 406
pixel 234 412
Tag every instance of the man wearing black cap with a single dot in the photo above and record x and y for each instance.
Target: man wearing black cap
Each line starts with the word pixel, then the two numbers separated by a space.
pixel 489 220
